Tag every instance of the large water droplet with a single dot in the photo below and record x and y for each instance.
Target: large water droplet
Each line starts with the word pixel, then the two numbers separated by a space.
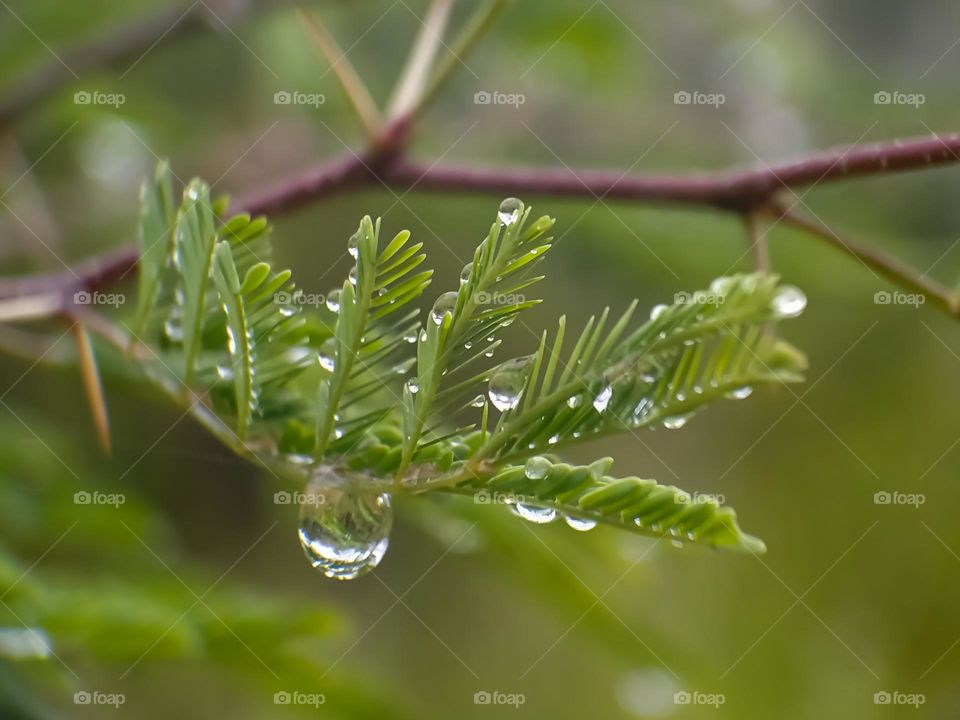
pixel 580 524
pixel 789 301
pixel 506 384
pixel 534 513
pixel 466 273
pixel 353 246
pixel 344 534
pixel 601 401
pixel 510 211
pixel 333 300
pixel 444 304
pixel 537 467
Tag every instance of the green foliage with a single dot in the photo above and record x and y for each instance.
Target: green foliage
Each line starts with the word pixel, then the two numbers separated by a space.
pixel 240 316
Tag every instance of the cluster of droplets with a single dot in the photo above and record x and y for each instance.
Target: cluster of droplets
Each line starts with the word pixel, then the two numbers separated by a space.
pixel 537 468
pixel 343 533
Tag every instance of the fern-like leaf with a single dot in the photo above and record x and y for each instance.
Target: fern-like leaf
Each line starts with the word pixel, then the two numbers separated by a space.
pixel 368 337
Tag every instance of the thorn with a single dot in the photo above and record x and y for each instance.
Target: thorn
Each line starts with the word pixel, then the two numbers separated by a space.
pixel 93 386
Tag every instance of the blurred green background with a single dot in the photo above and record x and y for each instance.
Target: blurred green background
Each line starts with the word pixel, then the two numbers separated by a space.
pixel 193 598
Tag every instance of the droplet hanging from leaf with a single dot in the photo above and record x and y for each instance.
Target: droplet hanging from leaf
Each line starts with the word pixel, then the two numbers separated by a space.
pixel 344 533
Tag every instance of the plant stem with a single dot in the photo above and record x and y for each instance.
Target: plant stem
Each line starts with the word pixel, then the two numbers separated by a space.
pixel 413 80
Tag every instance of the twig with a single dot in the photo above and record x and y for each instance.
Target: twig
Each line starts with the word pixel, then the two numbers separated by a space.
pixel 413 80
pixel 757 242
pixel 357 93
pixel 884 264
pixel 92 385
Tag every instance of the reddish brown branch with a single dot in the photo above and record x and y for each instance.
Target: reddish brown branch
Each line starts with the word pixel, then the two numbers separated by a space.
pixel 733 190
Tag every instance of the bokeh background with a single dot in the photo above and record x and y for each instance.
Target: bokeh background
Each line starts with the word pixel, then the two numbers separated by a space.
pixel 193 599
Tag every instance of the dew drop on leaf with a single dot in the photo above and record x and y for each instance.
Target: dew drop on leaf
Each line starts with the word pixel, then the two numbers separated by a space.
pixel 333 300
pixel 466 273
pixel 740 393
pixel 580 524
pixel 657 311
pixel 676 422
pixel 789 301
pixel 506 384
pixel 353 246
pixel 510 211
pixel 352 276
pixel 328 354
pixel 602 399
pixel 534 513
pixel 444 304
pixel 412 387
pixel 537 467
pixel 344 534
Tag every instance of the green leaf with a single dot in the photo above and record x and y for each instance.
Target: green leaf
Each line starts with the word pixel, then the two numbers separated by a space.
pixel 464 323
pixel 589 494
pixel 369 341
pixel 195 238
pixel 156 238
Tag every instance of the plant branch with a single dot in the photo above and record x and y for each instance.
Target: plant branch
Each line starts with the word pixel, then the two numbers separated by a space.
pixel 353 85
pixel 879 261
pixel 410 87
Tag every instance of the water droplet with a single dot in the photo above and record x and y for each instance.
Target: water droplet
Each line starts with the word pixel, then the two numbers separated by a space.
pixel 676 543
pixel 444 304
pixel 554 439
pixel 510 211
pixel 534 513
pixel 412 386
pixel 601 401
pixel 580 524
pixel 506 384
pixel 722 285
pixel 537 467
pixel 328 354
pixel 344 534
pixel 423 335
pixel 173 331
pixel 478 402
pixel 352 276
pixel 676 422
pixel 353 246
pixel 466 273
pixel 740 393
pixel 467 345
pixel 574 401
pixel 410 337
pixel 224 372
pixel 789 301
pixel 333 300
pixel 657 311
